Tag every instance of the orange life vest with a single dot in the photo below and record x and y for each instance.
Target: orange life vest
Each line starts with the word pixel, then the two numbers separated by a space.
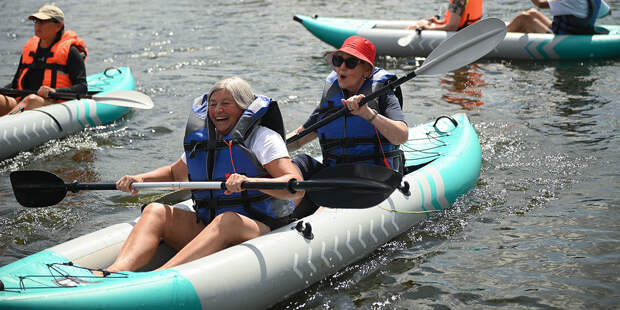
pixel 472 13
pixel 55 73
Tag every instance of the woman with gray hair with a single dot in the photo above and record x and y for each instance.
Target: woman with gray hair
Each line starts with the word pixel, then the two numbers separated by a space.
pixel 231 135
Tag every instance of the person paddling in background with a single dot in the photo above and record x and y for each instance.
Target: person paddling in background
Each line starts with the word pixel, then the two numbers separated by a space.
pixel 223 142
pixel 52 60
pixel 370 133
pixel 460 14
pixel 569 17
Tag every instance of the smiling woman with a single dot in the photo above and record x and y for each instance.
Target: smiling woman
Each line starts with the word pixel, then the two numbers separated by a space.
pixel 227 102
pixel 223 143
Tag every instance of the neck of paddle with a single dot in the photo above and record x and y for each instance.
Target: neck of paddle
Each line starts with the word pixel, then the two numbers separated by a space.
pixel 75 187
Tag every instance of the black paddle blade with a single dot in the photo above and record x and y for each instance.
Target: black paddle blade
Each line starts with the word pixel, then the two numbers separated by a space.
pixel 366 186
pixel 34 189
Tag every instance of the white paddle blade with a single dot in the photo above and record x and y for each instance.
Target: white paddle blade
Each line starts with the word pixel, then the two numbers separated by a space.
pixel 406 40
pixel 464 47
pixel 126 98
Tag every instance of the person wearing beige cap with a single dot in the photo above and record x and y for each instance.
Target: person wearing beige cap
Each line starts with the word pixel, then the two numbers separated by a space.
pixel 52 60
pixel 369 134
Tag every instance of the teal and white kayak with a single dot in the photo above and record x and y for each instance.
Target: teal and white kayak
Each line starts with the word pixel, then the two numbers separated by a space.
pixel 443 163
pixel 539 46
pixel 23 131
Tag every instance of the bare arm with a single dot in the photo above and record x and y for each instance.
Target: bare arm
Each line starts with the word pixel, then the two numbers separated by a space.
pixel 299 143
pixel 282 170
pixel 175 172
pixel 451 25
pixel 395 131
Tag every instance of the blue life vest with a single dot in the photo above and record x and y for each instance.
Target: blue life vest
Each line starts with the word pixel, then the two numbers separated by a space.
pixel 209 159
pixel 351 138
pixel 571 24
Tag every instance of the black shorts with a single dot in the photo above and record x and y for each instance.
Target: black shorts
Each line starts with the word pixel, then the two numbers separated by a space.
pixel 307 165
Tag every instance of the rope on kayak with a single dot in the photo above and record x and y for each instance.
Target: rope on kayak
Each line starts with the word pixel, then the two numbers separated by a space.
pixel 430 154
pixel 63 279
pixel 409 212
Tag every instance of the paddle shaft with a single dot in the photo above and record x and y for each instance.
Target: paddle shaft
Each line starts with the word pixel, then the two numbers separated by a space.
pixel 55 95
pixel 343 110
pixel 342 186
pixel 122 98
pixel 291 185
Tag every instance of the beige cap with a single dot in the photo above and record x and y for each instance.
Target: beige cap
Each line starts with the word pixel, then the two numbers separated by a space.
pixel 49 12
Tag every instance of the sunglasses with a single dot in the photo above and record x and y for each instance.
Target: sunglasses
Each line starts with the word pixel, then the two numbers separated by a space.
pixel 43 21
pixel 350 62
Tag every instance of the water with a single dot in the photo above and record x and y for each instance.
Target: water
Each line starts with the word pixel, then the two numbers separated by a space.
pixel 540 230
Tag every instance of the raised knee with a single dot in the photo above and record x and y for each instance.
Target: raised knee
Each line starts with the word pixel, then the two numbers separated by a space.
pixel 32 98
pixel 154 209
pixel 531 11
pixel 226 219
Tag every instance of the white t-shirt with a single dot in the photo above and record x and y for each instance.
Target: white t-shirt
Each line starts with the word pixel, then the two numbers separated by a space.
pixel 266 144
pixel 578 8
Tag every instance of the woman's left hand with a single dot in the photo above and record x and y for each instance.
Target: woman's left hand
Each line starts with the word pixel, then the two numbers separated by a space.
pixel 353 105
pixel 44 91
pixel 233 183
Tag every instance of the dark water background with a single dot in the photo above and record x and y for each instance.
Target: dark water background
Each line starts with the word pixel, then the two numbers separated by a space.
pixel 540 230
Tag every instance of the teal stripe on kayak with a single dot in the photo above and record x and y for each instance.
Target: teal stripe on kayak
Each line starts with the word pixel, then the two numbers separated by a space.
pixel 422 197
pixel 87 114
pixel 540 47
pixel 77 115
pixel 433 186
pixel 166 289
pixel 527 49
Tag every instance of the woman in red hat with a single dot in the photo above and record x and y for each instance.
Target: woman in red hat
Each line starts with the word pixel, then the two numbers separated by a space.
pixel 369 134
pixel 52 60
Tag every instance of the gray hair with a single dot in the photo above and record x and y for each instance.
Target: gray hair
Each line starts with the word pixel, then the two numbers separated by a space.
pixel 238 88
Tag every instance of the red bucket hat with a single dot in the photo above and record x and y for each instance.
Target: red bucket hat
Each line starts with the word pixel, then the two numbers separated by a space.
pixel 360 48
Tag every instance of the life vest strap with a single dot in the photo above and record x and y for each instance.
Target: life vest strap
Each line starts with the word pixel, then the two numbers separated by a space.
pixel 331 143
pixel 342 159
pixel 208 145
pixel 223 203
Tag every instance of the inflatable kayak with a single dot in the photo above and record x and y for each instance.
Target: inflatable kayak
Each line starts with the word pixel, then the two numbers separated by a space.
pixel 443 161
pixel 23 131
pixel 385 35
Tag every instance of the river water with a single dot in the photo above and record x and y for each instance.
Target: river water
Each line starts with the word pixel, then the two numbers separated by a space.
pixel 540 230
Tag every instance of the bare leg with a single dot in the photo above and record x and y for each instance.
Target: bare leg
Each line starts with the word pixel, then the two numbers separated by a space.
pixel 418 24
pixel 531 21
pixel 6 104
pixel 227 229
pixel 31 102
pixel 177 227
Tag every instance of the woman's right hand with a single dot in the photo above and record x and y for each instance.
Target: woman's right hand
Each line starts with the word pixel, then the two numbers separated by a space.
pixel 124 184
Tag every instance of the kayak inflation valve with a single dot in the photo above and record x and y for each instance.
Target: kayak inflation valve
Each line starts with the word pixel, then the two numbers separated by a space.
pixel 404 188
pixel 305 231
pixel 308 232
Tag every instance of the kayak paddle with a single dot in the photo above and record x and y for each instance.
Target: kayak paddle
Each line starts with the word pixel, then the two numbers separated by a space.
pixel 406 40
pixel 123 98
pixel 343 186
pixel 464 47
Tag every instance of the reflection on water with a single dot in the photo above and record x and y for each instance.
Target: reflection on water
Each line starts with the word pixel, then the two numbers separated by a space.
pixel 464 87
